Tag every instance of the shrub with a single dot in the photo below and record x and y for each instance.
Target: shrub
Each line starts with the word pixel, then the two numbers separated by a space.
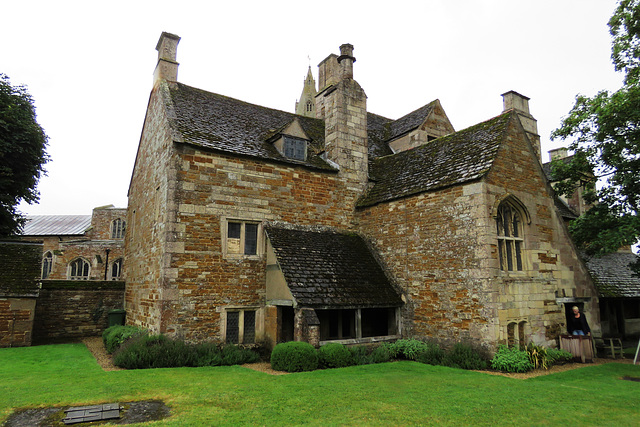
pixel 433 355
pixel 408 349
pixel 511 360
pixel 464 356
pixel 294 356
pixel 159 351
pixel 359 355
pixel 234 355
pixel 114 336
pixel 557 356
pixel 380 354
pixel 334 355
pixel 538 356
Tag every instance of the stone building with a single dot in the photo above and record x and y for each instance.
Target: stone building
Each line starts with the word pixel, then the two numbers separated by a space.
pixel 249 224
pixel 80 247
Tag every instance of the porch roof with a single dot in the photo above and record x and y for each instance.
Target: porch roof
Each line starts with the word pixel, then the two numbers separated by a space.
pixel 324 268
pixel 613 275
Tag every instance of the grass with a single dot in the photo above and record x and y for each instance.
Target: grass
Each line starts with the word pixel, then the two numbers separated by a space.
pixel 397 393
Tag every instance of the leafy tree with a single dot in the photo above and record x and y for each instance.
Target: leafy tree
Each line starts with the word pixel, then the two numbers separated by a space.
pixel 605 134
pixel 22 153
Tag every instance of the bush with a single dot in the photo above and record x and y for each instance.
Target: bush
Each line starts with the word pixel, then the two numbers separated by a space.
pixel 159 351
pixel 557 356
pixel 408 349
pixel 360 355
pixel 294 356
pixel 380 354
pixel 334 355
pixel 511 360
pixel 464 356
pixel 538 356
pixel 114 336
pixel 433 355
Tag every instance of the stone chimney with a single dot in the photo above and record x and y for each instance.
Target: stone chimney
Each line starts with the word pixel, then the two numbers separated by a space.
pixel 167 67
pixel 558 153
pixel 514 101
pixel 342 104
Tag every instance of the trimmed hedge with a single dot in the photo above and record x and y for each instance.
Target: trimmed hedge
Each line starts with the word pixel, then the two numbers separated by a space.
pixel 159 351
pixel 294 356
pixel 334 355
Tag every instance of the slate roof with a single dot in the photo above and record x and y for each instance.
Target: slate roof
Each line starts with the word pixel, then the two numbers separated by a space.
pixel 225 124
pixel 381 130
pixel 56 225
pixel 565 210
pixel 20 269
pixel 613 276
pixel 453 159
pixel 328 269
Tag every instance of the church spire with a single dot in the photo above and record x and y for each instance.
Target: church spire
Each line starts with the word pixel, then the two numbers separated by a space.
pixel 306 106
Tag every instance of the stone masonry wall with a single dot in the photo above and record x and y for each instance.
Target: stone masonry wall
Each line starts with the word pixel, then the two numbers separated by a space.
pixel 214 188
pixel 150 218
pixel 442 249
pixel 16 321
pixel 67 310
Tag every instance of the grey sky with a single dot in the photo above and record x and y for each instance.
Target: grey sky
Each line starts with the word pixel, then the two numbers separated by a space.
pixel 89 66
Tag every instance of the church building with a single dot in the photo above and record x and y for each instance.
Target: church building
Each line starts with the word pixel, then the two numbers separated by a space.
pixel 248 224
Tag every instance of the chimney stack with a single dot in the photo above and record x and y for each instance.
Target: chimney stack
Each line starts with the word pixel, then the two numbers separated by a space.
pixel 167 67
pixel 346 61
pixel 520 104
pixel 558 153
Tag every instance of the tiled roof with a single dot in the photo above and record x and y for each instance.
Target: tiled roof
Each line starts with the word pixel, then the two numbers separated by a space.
pixel 20 269
pixel 453 159
pixel 327 269
pixel 225 124
pixel 381 130
pixel 56 225
pixel 410 121
pixel 613 275
pixel 565 210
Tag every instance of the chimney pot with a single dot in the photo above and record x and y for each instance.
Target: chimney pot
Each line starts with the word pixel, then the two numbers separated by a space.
pixel 346 60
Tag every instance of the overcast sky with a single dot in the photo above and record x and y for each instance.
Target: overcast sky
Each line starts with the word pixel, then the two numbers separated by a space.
pixel 89 66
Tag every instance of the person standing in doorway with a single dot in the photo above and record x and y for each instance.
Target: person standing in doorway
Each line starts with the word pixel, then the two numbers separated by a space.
pixel 578 323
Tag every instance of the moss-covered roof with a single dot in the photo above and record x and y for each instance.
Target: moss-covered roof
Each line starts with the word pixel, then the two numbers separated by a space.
pixel 453 159
pixel 225 124
pixel 328 269
pixel 613 275
pixel 20 269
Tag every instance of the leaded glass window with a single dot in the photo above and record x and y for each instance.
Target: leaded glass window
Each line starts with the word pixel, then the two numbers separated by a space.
pixel 295 148
pixel 510 241
pixel 78 269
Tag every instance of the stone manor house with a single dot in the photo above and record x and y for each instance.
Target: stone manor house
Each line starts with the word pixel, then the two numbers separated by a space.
pixel 248 224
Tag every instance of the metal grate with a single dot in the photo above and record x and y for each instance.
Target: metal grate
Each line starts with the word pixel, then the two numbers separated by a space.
pixel 85 414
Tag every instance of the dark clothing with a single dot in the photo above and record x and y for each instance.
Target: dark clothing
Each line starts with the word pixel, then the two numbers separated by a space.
pixel 579 324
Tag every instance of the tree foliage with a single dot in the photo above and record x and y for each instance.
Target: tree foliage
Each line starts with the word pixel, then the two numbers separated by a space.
pixel 22 153
pixel 605 135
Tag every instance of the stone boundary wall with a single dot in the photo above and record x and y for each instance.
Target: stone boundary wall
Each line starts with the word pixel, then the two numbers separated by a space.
pixel 67 310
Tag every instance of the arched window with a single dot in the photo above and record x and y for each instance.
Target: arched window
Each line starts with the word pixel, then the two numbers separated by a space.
pixel 47 264
pixel 516 336
pixel 116 269
pixel 510 237
pixel 78 269
pixel 309 106
pixel 118 228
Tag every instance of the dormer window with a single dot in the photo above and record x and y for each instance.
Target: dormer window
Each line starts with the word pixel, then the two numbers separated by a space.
pixel 295 148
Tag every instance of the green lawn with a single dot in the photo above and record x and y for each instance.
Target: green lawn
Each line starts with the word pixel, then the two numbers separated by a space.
pixel 397 393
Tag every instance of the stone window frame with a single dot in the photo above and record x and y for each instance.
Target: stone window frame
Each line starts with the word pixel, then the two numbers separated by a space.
pixel 516 334
pixel 47 264
pixel 242 327
pixel 118 228
pixel 85 265
pixel 117 264
pixel 226 240
pixel 511 245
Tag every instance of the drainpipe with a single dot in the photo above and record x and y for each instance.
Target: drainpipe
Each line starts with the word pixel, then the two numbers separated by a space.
pixel 106 264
